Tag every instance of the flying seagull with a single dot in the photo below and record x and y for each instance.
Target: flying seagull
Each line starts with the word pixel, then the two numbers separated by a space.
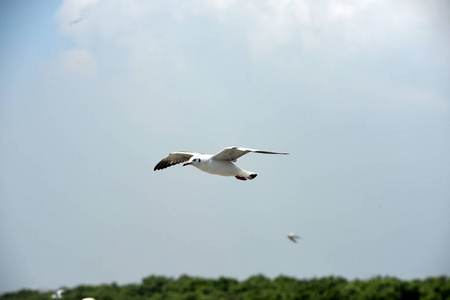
pixel 221 163
pixel 293 237
pixel 73 22
pixel 58 294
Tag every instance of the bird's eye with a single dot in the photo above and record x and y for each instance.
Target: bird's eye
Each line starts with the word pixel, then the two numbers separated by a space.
pixel 198 159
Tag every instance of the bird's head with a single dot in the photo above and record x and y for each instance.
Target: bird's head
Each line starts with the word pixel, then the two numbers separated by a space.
pixel 192 161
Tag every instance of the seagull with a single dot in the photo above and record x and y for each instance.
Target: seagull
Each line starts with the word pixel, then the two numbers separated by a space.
pixel 221 163
pixel 58 294
pixel 73 22
pixel 293 237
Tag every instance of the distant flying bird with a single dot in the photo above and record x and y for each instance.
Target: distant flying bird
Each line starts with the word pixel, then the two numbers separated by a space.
pixel 58 294
pixel 76 21
pixel 293 237
pixel 221 163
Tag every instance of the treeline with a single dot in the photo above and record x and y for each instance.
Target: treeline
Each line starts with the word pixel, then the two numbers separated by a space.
pixel 256 287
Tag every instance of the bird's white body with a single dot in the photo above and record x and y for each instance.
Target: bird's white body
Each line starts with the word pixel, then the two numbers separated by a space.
pixel 58 294
pixel 221 163
pixel 220 167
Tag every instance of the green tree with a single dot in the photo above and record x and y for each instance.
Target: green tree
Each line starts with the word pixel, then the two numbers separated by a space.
pixel 255 287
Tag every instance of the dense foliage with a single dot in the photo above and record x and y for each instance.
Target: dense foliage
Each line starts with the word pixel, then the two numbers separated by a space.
pixel 256 287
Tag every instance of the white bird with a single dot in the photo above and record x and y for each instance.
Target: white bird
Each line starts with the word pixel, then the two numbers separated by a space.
pixel 221 163
pixel 58 294
pixel 293 237
pixel 88 299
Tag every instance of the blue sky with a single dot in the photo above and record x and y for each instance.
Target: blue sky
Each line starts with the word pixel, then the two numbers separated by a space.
pixel 356 91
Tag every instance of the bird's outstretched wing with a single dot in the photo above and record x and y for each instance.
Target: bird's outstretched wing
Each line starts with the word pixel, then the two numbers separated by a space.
pixel 173 159
pixel 233 153
pixel 293 237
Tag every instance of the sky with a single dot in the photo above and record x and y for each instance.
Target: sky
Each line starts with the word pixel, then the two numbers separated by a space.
pixel 94 93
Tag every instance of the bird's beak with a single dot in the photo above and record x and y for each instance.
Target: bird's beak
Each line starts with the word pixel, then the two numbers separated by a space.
pixel 186 164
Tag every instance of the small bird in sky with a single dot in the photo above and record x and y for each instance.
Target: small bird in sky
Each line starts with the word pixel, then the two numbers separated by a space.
pixel 221 163
pixel 293 237
pixel 73 22
pixel 58 294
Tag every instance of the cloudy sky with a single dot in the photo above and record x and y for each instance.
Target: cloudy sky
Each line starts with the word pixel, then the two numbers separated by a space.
pixel 94 93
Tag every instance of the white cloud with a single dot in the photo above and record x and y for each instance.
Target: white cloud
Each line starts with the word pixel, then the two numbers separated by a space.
pixel 78 63
pixel 338 9
pixel 102 19
pixel 348 9
pixel 150 38
pixel 265 25
pixel 72 9
pixel 278 24
pixel 418 97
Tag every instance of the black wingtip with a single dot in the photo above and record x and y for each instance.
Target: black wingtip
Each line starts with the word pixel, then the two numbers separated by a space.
pixel 160 166
pixel 270 152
